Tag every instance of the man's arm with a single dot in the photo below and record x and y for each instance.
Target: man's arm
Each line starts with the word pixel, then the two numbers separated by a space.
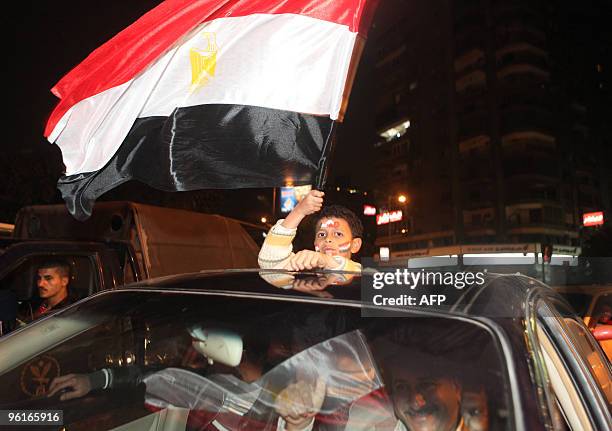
pixel 79 385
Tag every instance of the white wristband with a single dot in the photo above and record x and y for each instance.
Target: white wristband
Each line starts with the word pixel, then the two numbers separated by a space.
pixel 106 378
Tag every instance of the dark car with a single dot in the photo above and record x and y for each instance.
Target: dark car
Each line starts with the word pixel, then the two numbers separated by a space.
pixel 228 350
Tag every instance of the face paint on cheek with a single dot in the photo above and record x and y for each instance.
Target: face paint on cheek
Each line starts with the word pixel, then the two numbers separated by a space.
pixel 317 248
pixel 344 247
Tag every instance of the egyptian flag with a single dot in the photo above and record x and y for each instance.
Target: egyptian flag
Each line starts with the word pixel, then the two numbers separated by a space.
pixel 208 94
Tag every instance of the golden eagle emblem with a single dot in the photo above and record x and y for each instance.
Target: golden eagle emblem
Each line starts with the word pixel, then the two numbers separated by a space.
pixel 37 375
pixel 203 62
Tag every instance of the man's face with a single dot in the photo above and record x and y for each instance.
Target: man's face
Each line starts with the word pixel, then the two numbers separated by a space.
pixel 426 403
pixel 333 237
pixel 51 283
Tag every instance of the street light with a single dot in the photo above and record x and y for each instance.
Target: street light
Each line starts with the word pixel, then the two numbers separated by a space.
pixel 264 220
pixel 402 199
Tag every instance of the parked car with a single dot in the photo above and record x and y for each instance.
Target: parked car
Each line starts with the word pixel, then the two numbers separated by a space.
pixel 227 350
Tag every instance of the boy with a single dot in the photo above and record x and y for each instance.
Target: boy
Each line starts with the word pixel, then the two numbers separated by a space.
pixel 338 234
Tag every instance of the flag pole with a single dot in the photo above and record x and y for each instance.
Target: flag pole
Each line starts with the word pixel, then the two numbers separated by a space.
pixel 328 147
pixel 324 161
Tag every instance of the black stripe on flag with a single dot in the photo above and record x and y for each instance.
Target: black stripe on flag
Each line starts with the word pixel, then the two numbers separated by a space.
pixel 208 147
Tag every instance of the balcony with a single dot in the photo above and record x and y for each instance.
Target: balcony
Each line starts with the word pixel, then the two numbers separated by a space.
pixel 520 48
pixel 520 34
pixel 528 142
pixel 471 60
pixel 508 57
pixel 535 215
pixel 527 118
pixel 472 125
pixel 531 167
pixel 475 79
pixel 507 73
pixel 477 144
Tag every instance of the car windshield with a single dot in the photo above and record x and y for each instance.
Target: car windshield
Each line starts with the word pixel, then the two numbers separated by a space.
pixel 223 362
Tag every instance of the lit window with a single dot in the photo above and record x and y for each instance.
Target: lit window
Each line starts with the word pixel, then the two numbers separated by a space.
pixel 396 131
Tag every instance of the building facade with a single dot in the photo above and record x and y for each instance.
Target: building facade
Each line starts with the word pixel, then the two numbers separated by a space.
pixel 479 127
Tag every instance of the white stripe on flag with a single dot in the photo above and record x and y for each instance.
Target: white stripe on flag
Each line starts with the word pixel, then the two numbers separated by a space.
pixel 287 62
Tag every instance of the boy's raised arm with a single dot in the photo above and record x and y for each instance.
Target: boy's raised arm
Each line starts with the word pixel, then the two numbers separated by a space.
pixel 277 248
pixel 311 204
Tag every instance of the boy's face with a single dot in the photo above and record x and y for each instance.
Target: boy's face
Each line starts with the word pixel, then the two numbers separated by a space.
pixel 333 237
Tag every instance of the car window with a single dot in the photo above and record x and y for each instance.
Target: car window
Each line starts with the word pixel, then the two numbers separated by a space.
pixel 577 360
pixel 244 363
pixel 22 281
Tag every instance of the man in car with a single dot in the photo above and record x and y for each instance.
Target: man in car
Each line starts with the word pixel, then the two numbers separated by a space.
pixel 426 394
pixel 428 370
pixel 53 282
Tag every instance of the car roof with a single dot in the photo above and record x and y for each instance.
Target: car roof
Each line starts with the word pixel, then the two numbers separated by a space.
pixel 501 295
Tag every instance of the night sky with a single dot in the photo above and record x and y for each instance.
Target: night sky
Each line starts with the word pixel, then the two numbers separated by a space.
pixel 50 39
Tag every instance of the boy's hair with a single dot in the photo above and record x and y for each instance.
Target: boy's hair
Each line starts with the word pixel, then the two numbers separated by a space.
pixel 338 211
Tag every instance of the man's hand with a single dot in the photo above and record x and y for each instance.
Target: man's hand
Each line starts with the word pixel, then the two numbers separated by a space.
pixel 308 259
pixel 299 403
pixel 76 385
pixel 311 204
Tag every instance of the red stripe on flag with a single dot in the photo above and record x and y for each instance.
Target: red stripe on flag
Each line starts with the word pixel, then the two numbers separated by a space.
pixel 133 49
